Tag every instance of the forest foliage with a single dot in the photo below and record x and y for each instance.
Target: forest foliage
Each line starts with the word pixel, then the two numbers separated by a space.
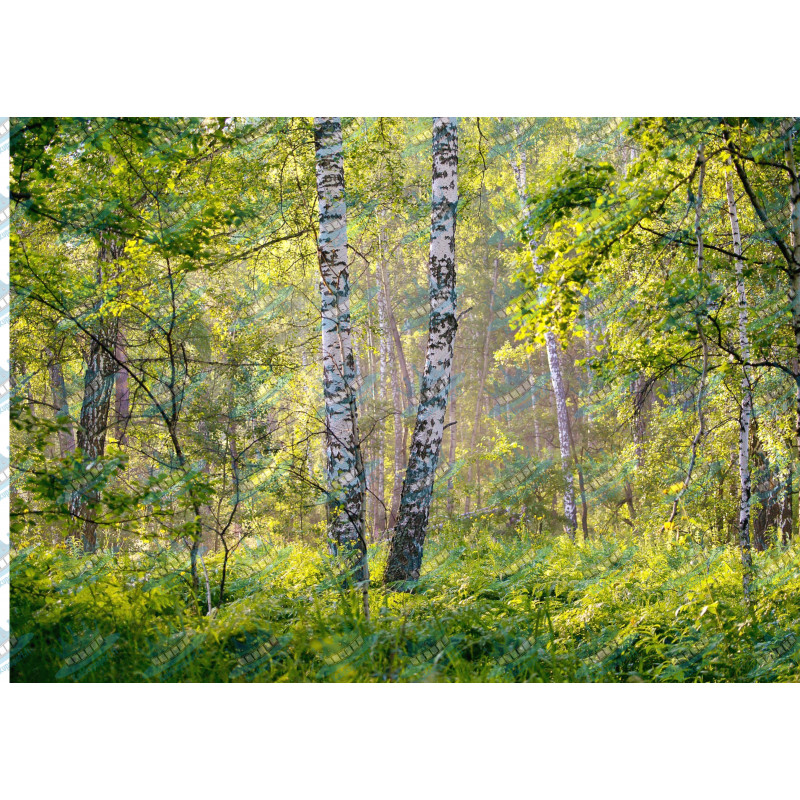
pixel 625 331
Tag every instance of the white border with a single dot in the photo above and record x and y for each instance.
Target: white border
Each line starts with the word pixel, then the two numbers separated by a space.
pixel 415 58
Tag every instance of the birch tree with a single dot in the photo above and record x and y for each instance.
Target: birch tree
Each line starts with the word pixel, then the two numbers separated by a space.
pixel 746 410
pixel 406 548
pixel 790 251
pixel 344 470
pixel 554 363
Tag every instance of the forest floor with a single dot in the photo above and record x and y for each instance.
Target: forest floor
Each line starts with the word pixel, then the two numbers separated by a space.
pixel 511 608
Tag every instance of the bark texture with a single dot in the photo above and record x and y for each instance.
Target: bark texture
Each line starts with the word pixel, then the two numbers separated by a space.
pixel 98 387
pixel 405 552
pixel 344 470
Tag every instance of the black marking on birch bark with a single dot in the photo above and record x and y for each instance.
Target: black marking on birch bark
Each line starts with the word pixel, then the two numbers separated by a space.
pixel 344 471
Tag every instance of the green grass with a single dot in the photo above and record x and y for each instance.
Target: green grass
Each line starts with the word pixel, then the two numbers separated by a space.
pixel 520 609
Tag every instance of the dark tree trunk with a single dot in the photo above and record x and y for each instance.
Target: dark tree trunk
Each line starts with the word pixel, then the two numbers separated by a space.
pixel 122 400
pixel 66 437
pixel 787 515
pixel 98 386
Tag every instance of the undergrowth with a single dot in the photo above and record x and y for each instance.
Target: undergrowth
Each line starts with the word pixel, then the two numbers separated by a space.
pixel 519 609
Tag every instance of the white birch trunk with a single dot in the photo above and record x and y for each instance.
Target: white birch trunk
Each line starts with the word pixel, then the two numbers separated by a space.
pixel 405 553
pixel 554 363
pixel 747 398
pixel 344 471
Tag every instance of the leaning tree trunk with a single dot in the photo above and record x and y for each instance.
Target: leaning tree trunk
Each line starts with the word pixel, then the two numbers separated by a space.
pixel 405 552
pixel 747 398
pixel 345 474
pixel 98 386
pixel 554 362
pixel 66 437
pixel 399 449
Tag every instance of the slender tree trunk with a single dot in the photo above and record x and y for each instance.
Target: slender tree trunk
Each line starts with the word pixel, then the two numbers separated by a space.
pixel 787 510
pixel 581 486
pixel 537 448
pixel 790 254
pixel 345 476
pixel 236 526
pixel 637 428
pixel 379 519
pixel 746 411
pixel 637 401
pixel 122 400
pixel 481 385
pixel 405 553
pixel 584 505
pixel 399 447
pixel 66 437
pixel 760 520
pixel 402 400
pixel 98 385
pixel 398 344
pixel 554 362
